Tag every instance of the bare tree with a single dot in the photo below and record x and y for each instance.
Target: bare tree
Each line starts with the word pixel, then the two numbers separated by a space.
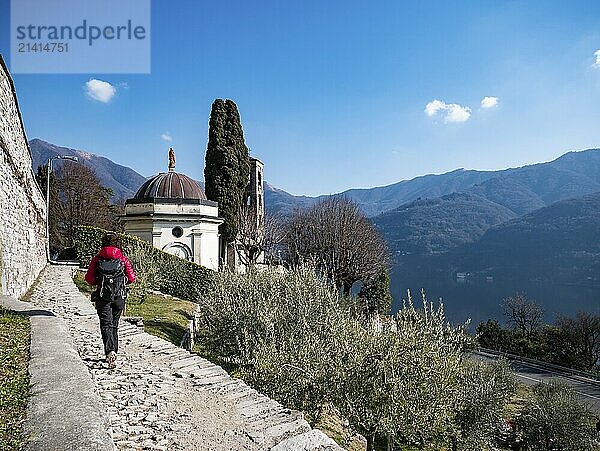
pixel 257 235
pixel 340 239
pixel 81 200
pixel 523 314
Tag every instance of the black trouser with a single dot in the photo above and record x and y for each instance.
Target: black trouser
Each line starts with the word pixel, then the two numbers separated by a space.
pixel 109 313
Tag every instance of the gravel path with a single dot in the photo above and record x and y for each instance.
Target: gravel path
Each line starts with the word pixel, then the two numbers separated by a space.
pixel 161 397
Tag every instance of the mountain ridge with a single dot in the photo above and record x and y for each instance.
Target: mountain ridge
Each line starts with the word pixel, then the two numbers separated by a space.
pixel 122 180
pixel 580 176
pixel 573 173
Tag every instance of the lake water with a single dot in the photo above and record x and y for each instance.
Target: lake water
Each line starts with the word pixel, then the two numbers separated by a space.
pixel 480 300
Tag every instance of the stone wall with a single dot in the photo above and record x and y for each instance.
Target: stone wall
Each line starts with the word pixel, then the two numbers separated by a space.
pixel 22 204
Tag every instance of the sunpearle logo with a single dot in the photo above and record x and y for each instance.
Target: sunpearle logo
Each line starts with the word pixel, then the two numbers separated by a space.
pixel 80 36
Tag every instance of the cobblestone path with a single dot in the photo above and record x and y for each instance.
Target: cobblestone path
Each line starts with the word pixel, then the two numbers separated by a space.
pixel 161 397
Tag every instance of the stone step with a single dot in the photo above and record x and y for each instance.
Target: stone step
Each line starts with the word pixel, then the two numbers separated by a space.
pixel 210 380
pixel 181 363
pixel 265 421
pixel 208 371
pixel 138 394
pixel 286 430
pixel 174 352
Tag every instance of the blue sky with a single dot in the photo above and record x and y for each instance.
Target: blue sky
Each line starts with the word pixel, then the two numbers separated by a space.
pixel 333 94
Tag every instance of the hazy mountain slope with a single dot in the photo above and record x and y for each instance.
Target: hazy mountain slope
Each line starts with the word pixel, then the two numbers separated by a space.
pixel 374 201
pixel 559 242
pixel 522 190
pixel 439 224
pixel 277 201
pixel 123 180
pixel 510 193
pixel 585 163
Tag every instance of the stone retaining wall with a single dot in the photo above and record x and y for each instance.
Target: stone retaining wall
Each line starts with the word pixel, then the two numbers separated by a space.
pixel 22 204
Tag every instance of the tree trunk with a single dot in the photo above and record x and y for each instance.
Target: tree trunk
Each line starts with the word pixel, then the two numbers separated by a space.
pixel 347 287
pixel 370 441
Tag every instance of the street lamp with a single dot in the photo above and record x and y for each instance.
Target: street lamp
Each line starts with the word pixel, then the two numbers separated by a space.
pixel 49 169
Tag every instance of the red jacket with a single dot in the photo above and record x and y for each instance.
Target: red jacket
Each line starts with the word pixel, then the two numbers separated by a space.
pixel 109 252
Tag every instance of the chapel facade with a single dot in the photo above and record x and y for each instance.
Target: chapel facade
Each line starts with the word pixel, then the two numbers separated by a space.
pixel 171 211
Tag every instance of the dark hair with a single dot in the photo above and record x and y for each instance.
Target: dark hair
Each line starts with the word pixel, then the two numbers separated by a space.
pixel 111 239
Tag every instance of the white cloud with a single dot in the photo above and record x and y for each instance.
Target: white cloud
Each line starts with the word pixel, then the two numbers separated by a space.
pixel 99 90
pixel 166 137
pixel 597 62
pixel 452 112
pixel 457 113
pixel 433 107
pixel 489 102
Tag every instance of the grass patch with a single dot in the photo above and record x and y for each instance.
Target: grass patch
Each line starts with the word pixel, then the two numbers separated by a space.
pixel 82 285
pixel 164 316
pixel 332 425
pixel 517 401
pixel 14 378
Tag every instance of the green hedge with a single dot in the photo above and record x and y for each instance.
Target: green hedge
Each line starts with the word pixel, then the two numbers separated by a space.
pixel 155 269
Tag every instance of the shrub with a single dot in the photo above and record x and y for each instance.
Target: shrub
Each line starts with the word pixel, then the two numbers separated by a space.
pixel 280 330
pixel 427 361
pixel 292 336
pixel 485 390
pixel 154 268
pixel 555 419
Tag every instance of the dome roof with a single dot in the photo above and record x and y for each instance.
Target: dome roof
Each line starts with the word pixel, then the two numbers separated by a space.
pixel 170 185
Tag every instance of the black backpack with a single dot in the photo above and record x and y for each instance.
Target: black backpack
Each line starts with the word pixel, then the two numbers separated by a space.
pixel 110 274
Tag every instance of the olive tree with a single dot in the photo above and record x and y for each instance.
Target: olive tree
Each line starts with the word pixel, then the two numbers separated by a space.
pixel 555 419
pixel 402 382
pixel 485 388
pixel 429 359
pixel 282 329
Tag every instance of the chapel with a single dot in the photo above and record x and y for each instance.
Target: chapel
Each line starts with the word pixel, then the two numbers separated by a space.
pixel 171 211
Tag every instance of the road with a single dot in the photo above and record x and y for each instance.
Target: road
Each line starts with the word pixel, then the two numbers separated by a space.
pixel 531 373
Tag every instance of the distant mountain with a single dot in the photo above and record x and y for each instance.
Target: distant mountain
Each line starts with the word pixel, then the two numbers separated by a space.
pixel 123 181
pixel 479 200
pixel 551 255
pixel 521 190
pixel 558 244
pixel 531 187
pixel 374 201
pixel 277 201
pixel 437 225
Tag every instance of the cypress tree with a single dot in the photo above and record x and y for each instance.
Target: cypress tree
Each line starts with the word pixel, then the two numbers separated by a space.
pixel 227 165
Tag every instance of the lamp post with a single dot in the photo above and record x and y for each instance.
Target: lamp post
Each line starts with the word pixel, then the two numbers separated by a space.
pixel 49 170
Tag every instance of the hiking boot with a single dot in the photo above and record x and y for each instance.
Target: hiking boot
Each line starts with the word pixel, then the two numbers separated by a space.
pixel 111 357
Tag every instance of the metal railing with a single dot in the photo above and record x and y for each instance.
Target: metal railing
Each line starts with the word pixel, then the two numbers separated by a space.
pixel 590 377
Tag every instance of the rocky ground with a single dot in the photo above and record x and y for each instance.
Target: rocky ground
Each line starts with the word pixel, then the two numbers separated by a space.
pixel 161 397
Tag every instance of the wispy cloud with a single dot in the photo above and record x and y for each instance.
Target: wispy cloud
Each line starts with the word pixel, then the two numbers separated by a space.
pixel 99 90
pixel 597 62
pixel 451 112
pixel 166 137
pixel 489 102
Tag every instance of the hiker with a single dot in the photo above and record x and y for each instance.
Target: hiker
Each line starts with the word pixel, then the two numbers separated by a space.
pixel 110 271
